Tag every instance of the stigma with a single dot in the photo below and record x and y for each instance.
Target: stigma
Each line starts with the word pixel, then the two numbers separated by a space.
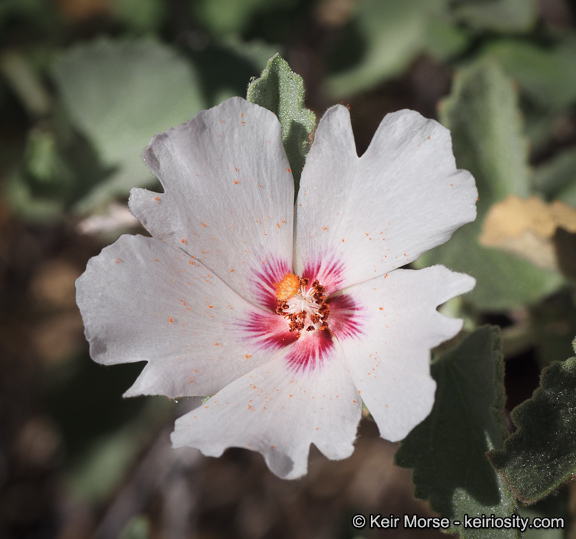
pixel 303 306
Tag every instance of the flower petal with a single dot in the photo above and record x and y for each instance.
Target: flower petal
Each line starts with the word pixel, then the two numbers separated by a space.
pixel 279 411
pixel 142 300
pixel 229 193
pixel 390 361
pixel 381 211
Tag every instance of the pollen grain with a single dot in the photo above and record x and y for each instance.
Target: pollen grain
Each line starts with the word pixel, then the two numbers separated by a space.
pixel 287 287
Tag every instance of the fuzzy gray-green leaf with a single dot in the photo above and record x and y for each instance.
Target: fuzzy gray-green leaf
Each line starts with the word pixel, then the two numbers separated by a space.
pixel 447 451
pixel 119 94
pixel 541 455
pixel 281 90
pixel 483 116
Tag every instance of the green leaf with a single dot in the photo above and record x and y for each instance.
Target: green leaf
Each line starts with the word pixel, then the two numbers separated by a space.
pixel 140 15
pixel 26 83
pixel 445 39
pixel 568 194
pixel 120 94
pixel 394 32
pixel 223 17
pixel 541 455
pixel 483 115
pixel 99 469
pixel 59 168
pixel 226 17
pixel 447 451
pixel 547 76
pixel 138 527
pixel 225 66
pixel 32 13
pixel 22 200
pixel 498 15
pixel 282 91
pixel 557 177
pixel 552 323
pixel 44 162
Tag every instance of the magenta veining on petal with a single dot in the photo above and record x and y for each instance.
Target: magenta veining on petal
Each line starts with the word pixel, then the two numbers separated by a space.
pixel 266 279
pixel 327 269
pixel 345 317
pixel 303 318
pixel 267 330
pixel 312 348
pixel 310 351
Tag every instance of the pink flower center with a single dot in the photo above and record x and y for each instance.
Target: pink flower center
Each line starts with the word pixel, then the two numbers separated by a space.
pixel 303 306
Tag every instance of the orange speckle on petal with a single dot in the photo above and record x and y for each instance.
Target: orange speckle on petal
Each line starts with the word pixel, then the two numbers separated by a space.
pixel 381 308
pixel 171 320
pixel 211 306
pixel 288 170
pixel 204 225
pixel 183 240
pixel 247 356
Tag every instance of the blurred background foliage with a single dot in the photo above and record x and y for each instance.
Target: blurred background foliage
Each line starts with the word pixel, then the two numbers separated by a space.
pixel 84 84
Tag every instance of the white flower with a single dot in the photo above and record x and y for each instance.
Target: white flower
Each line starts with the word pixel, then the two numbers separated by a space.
pixel 289 317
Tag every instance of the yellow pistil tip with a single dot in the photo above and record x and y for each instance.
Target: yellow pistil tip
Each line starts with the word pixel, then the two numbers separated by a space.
pixel 287 287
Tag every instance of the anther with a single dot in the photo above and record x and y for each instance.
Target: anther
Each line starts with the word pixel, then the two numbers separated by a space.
pixel 303 307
